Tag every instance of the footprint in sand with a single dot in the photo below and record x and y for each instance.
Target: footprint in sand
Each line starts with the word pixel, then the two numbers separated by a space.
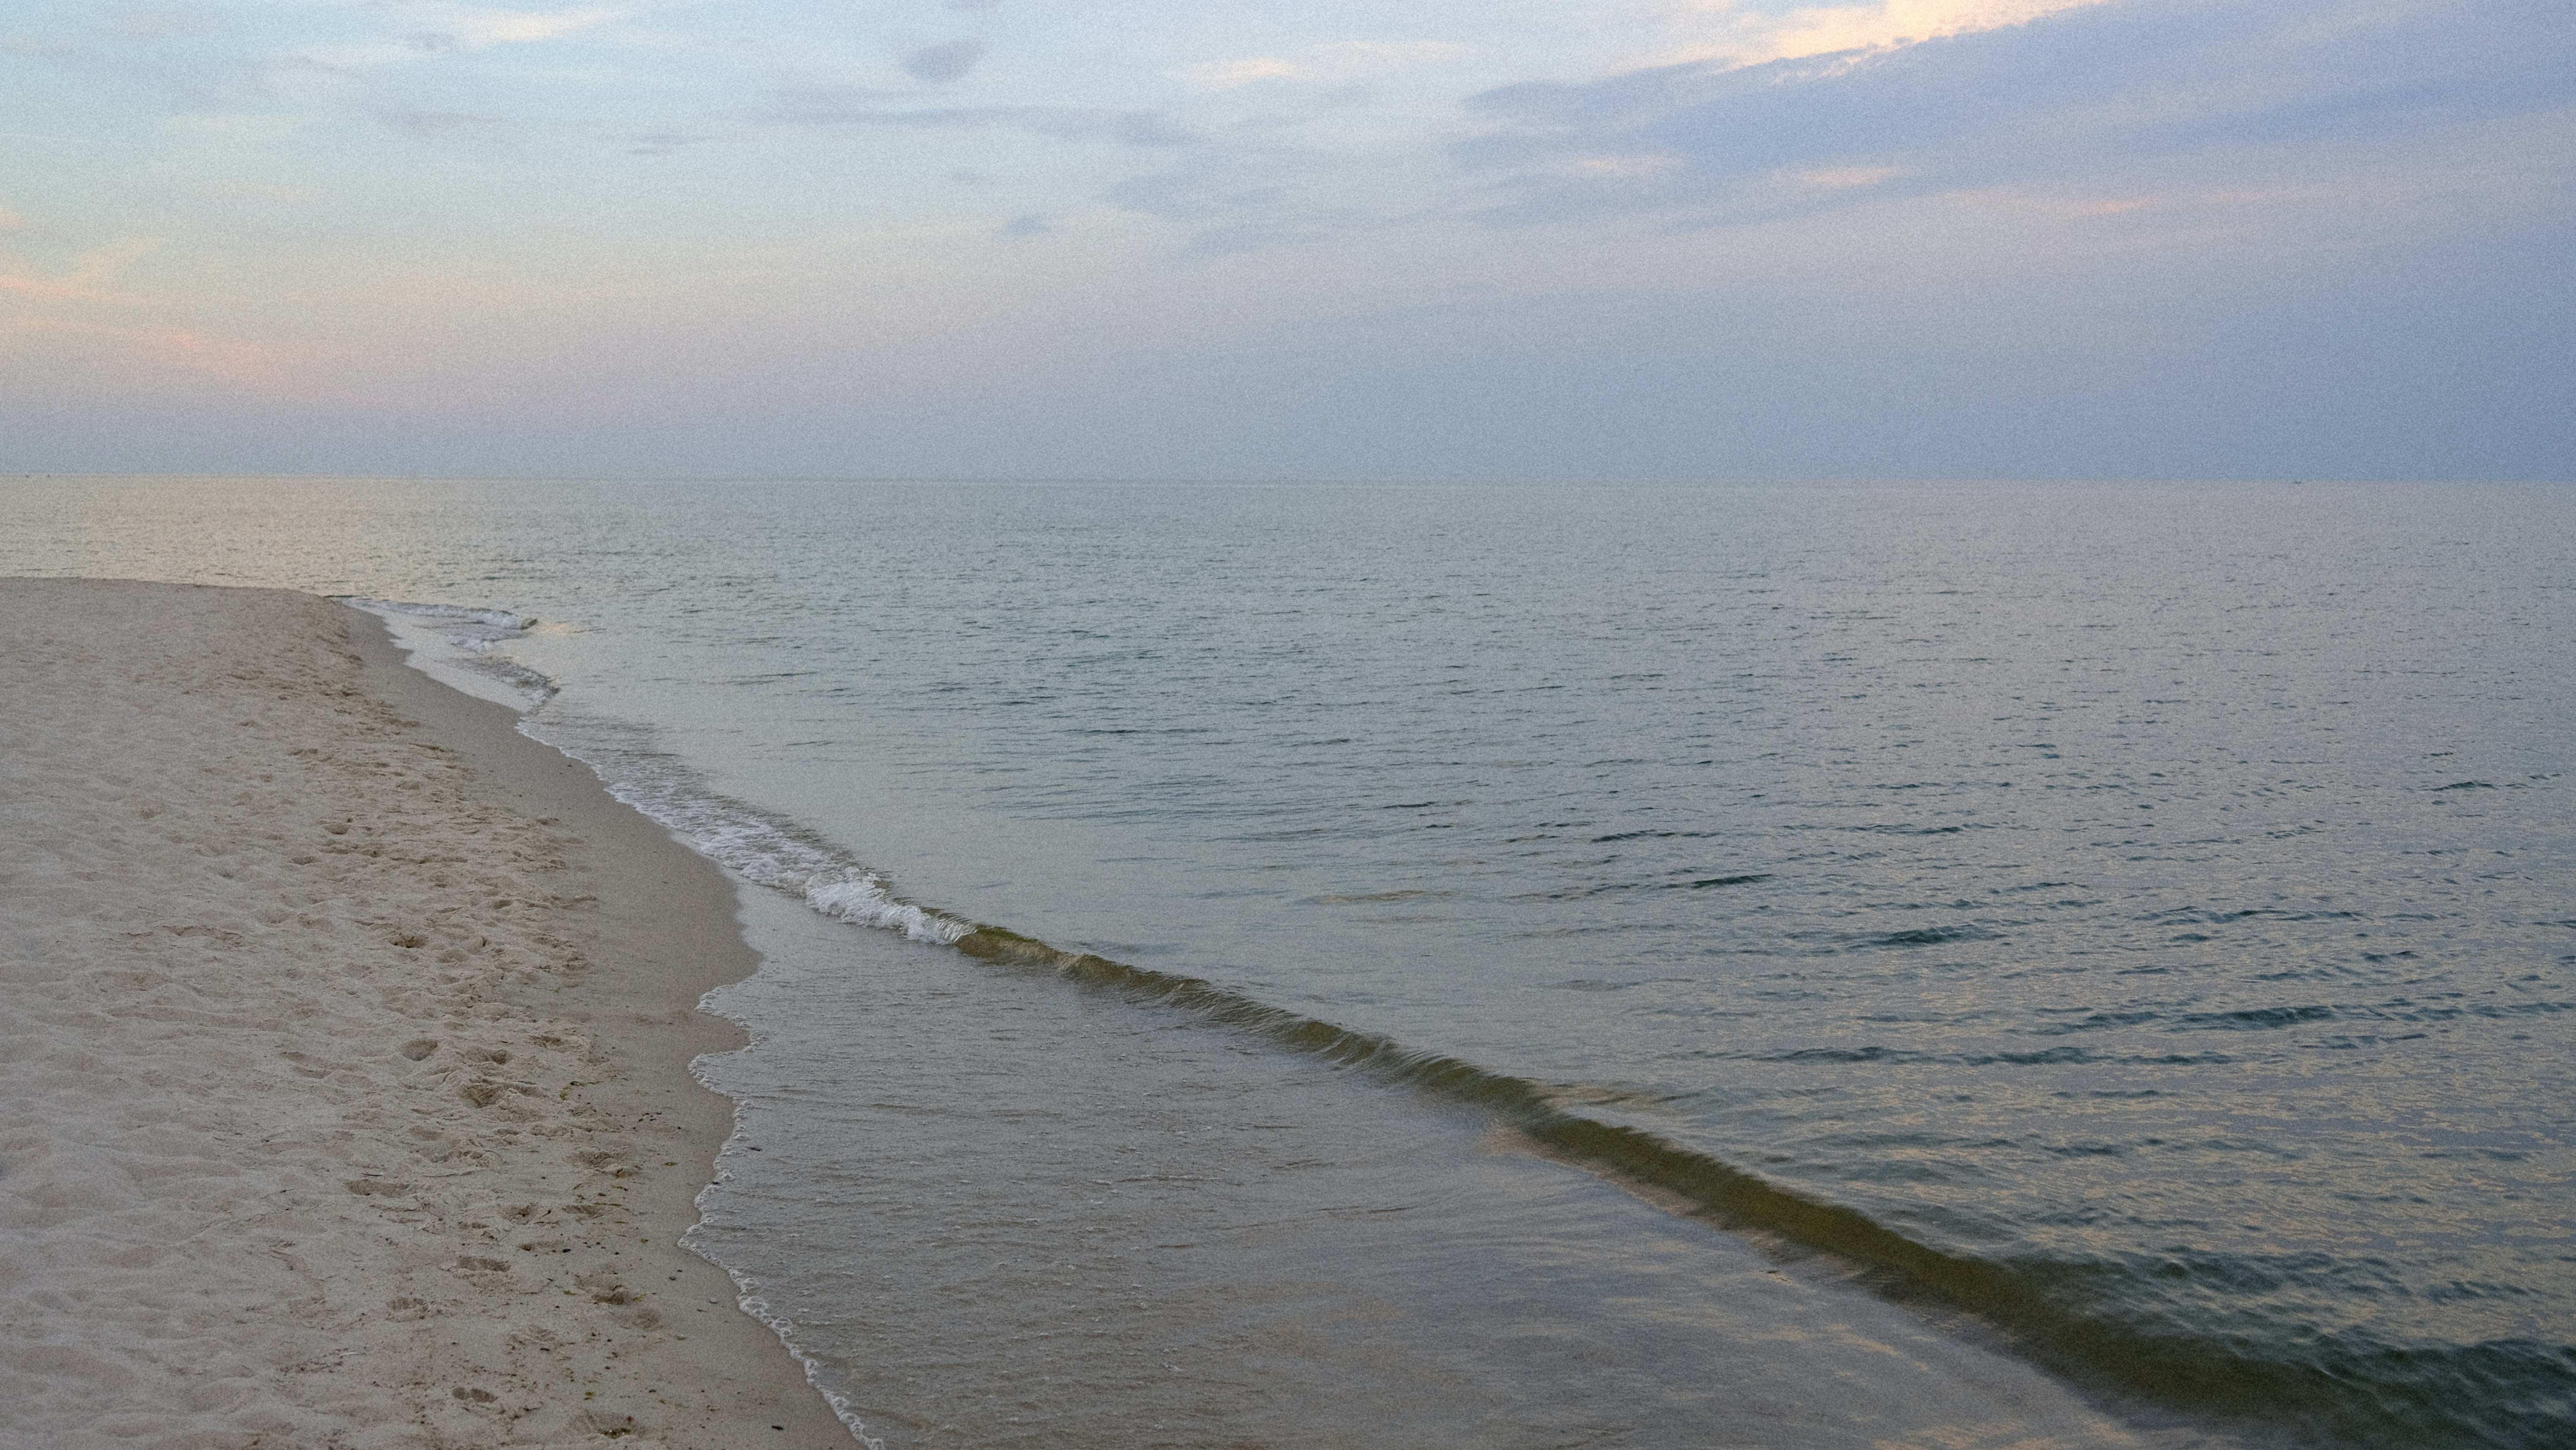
pixel 483 1093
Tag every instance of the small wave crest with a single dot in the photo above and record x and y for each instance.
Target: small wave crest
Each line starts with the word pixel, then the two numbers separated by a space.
pixel 495 618
pixel 2088 1321
pixel 763 848
pixel 459 640
pixel 760 847
pixel 2094 1321
pixel 750 1298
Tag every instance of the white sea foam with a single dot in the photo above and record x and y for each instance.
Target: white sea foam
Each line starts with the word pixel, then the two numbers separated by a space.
pixel 497 618
pixel 455 646
pixel 749 1299
pixel 753 844
pixel 866 902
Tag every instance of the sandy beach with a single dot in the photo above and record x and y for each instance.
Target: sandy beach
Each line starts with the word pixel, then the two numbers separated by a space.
pixel 344 1046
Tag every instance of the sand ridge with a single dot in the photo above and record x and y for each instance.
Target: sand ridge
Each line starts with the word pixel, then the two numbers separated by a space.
pixel 342 1090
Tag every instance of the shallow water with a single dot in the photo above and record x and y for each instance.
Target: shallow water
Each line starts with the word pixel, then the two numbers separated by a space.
pixel 1001 1216
pixel 2131 915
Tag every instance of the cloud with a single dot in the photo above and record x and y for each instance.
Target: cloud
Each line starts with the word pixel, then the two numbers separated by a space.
pixel 838 106
pixel 663 143
pixel 477 28
pixel 1031 225
pixel 89 284
pixel 1244 199
pixel 1747 37
pixel 1328 64
pixel 947 61
pixel 263 191
pixel 433 125
pixel 85 282
pixel 244 363
pixel 164 24
pixel 2070 97
pixel 441 29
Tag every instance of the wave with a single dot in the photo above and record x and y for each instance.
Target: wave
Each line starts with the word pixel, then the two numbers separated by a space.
pixel 2333 1388
pixel 496 618
pixel 750 1299
pixel 2092 1322
pixel 2130 1326
pixel 759 846
pixel 468 637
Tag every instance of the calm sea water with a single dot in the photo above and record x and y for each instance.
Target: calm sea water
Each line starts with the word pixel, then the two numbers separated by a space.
pixel 1791 965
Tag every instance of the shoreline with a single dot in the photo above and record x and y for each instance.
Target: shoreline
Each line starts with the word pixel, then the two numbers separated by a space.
pixel 347 1054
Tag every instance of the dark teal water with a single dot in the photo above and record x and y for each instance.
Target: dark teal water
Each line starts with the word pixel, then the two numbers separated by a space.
pixel 2128 924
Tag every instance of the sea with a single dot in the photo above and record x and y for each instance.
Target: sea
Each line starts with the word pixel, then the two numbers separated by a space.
pixel 1874 964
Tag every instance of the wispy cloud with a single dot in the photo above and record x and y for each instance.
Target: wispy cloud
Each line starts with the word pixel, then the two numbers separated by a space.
pixel 87 280
pixel 164 24
pixel 663 143
pixel 474 27
pixel 947 61
pixel 1332 63
pixel 1730 32
pixel 1245 197
pixel 855 107
pixel 428 29
pixel 36 304
pixel 262 191
pixel 2070 97
pixel 437 125
pixel 242 362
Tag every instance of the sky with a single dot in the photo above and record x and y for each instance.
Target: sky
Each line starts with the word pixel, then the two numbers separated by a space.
pixel 1535 239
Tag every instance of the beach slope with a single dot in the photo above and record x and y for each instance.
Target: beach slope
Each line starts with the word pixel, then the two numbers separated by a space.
pixel 343 1056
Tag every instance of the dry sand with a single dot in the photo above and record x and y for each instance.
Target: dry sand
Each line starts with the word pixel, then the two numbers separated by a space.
pixel 344 1035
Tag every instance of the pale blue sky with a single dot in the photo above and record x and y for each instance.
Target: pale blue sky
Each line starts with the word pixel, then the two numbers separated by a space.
pixel 2025 238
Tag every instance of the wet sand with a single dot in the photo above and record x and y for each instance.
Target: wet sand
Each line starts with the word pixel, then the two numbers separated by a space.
pixel 344 1045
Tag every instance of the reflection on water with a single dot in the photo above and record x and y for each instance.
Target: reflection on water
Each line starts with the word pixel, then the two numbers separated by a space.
pixel 2139 910
pixel 1002 1216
